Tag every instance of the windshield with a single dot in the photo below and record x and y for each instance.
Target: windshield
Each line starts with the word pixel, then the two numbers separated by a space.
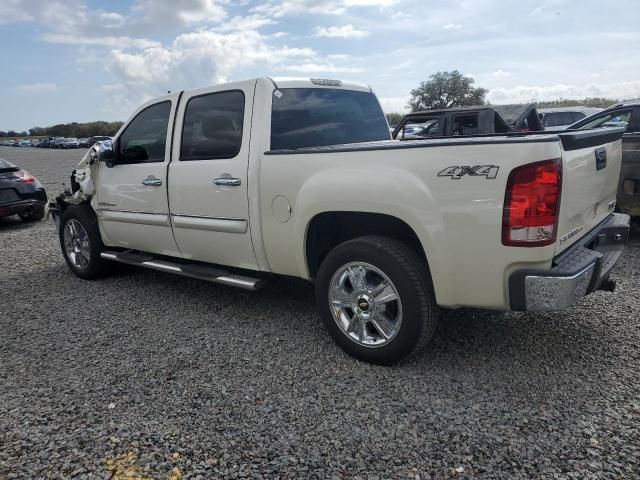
pixel 313 117
pixel 615 118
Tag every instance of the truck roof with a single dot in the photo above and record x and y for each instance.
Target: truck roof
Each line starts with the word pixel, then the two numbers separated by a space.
pixel 297 82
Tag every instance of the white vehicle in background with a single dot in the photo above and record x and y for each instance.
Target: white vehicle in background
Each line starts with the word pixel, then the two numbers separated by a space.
pixel 234 182
pixel 555 119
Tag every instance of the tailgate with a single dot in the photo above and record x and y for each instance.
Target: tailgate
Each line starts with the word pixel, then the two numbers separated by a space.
pixel 591 162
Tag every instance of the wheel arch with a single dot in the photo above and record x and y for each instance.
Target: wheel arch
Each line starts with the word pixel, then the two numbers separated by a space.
pixel 327 230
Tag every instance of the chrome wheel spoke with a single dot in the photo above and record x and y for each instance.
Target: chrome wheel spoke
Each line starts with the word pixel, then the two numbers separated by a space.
pixel 76 244
pixel 386 295
pixel 340 298
pixel 383 325
pixel 356 277
pixel 365 304
pixel 352 325
pixel 362 331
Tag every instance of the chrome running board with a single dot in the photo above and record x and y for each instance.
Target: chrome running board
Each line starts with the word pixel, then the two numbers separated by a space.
pixel 192 270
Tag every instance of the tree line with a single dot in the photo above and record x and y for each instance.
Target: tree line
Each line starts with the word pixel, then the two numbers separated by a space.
pixel 72 130
pixel 453 89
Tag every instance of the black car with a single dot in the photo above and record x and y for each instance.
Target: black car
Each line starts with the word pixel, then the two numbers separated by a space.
pixel 20 193
pixel 473 120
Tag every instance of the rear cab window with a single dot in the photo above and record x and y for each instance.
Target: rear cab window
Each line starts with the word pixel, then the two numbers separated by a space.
pixel 314 117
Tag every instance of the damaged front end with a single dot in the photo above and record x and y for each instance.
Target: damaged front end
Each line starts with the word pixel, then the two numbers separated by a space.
pixel 82 180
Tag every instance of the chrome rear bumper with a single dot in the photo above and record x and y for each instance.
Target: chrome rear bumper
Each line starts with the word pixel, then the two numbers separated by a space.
pixel 576 272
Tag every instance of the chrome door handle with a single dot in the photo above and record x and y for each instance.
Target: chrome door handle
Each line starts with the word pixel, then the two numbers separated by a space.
pixel 227 181
pixel 152 181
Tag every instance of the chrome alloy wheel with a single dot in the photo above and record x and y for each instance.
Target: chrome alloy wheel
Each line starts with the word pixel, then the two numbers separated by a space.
pixel 365 304
pixel 76 244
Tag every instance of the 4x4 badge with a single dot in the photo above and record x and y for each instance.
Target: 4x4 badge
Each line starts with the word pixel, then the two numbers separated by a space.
pixel 487 171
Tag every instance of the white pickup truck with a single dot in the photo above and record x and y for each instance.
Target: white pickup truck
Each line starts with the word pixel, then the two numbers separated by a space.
pixel 300 177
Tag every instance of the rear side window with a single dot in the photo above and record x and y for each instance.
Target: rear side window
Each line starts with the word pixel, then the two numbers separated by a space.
pixel 465 124
pixel 213 126
pixel 145 138
pixel 313 117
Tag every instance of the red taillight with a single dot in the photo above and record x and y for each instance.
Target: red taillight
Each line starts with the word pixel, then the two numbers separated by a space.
pixel 531 205
pixel 25 177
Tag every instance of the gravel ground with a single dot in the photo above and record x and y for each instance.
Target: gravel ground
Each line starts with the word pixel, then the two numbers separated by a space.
pixel 163 377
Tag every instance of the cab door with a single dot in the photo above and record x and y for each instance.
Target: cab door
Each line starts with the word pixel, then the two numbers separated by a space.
pixel 208 175
pixel 132 202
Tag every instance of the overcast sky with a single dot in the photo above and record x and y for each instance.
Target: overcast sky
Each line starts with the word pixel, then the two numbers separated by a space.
pixel 82 60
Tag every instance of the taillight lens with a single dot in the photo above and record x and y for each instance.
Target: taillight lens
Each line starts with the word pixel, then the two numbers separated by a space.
pixel 25 177
pixel 531 205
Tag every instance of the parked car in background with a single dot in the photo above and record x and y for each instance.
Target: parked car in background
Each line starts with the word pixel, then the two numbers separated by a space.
pixel 98 138
pixel 251 175
pixel 560 118
pixel 627 115
pixel 24 143
pixel 57 142
pixel 20 193
pixel 69 143
pixel 83 142
pixel 474 120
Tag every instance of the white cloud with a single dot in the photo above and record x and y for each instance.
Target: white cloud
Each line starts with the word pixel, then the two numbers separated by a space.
pixel 37 88
pixel 524 94
pixel 452 26
pixel 315 68
pixel 251 22
pixel 13 12
pixel 345 31
pixel 106 41
pixel 322 7
pixel 207 55
pixel 186 12
pixel 394 104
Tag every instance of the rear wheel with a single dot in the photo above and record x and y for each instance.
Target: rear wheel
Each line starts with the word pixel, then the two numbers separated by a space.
pixel 32 214
pixel 81 243
pixel 376 299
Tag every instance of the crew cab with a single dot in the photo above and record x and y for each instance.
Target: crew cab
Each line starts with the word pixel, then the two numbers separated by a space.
pixel 300 177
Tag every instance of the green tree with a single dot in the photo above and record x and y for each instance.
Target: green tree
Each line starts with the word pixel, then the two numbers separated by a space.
pixel 394 118
pixel 446 90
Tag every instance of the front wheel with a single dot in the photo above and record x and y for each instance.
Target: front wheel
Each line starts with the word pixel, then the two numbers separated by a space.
pixel 81 243
pixel 376 299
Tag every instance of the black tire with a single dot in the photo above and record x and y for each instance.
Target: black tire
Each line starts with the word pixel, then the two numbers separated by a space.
pixel 410 275
pixel 33 215
pixel 96 267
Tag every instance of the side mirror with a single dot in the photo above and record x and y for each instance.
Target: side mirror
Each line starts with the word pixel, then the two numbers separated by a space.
pixel 103 152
